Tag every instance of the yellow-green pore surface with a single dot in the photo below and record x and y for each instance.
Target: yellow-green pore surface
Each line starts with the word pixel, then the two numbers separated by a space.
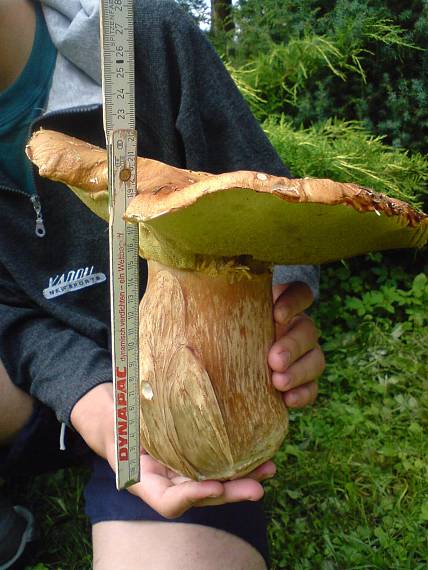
pixel 242 222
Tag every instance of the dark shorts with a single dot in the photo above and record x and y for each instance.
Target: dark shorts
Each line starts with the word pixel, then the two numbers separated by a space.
pixel 36 450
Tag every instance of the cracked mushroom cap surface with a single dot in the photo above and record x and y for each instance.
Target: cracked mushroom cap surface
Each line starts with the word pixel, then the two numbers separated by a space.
pixel 186 215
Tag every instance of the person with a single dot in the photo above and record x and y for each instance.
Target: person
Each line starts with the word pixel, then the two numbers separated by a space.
pixel 54 341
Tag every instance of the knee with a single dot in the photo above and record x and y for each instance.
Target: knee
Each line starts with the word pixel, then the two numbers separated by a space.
pixel 15 408
pixel 168 546
pixel 4 376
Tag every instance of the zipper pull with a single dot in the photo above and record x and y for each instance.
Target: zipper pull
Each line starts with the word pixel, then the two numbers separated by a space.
pixel 40 227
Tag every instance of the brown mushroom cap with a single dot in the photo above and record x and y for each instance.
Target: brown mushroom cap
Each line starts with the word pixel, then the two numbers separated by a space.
pixel 83 165
pixel 185 214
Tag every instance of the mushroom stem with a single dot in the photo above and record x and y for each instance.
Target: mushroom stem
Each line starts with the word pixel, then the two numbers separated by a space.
pixel 208 406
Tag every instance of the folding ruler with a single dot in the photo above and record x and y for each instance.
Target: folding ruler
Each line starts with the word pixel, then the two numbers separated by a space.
pixel 117 56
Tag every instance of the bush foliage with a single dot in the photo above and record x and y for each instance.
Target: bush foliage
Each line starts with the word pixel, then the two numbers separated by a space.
pixel 339 87
pixel 347 152
pixel 357 60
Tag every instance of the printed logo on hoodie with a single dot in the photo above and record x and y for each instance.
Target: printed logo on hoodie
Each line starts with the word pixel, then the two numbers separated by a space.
pixel 72 281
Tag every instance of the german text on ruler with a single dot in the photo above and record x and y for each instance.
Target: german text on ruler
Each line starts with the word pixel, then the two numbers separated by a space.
pixel 117 47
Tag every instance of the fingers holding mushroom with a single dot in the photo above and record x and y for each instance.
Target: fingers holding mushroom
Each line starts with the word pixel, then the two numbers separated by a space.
pixel 299 338
pixel 290 300
pixel 301 396
pixel 297 361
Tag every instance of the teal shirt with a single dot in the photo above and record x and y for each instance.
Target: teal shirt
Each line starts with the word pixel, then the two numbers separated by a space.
pixel 22 103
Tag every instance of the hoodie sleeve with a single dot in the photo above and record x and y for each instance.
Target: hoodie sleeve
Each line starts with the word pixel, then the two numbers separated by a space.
pixel 54 362
pixel 191 109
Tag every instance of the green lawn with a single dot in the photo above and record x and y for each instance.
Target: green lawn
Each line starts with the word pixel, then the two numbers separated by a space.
pixel 351 492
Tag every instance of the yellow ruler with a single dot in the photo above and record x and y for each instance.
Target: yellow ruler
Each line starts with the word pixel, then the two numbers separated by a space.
pixel 117 56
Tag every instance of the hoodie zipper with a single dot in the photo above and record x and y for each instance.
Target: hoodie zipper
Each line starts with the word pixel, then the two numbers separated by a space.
pixel 40 226
pixel 39 230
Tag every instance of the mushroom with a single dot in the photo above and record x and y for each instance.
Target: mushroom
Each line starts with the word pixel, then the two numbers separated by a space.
pixel 208 406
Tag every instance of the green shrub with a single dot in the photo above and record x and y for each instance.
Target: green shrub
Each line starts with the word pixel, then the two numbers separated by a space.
pixel 352 59
pixel 347 152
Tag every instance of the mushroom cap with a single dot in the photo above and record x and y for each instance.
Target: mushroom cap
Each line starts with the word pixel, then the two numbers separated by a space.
pixel 185 214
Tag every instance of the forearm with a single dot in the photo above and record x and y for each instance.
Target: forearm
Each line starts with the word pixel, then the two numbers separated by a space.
pixel 92 416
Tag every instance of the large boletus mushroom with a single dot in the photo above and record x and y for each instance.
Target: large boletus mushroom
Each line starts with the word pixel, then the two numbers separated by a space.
pixel 208 408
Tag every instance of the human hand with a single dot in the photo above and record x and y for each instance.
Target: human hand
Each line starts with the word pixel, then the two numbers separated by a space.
pixel 296 358
pixel 171 494
pixel 167 492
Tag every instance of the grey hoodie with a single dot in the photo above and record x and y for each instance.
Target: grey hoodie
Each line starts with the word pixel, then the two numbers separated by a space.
pixel 54 301
pixel 74 29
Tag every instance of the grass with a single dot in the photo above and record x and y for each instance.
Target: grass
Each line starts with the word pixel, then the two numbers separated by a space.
pixel 63 541
pixel 351 490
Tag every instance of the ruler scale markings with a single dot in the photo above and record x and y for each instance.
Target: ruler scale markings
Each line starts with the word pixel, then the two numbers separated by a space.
pixel 117 49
